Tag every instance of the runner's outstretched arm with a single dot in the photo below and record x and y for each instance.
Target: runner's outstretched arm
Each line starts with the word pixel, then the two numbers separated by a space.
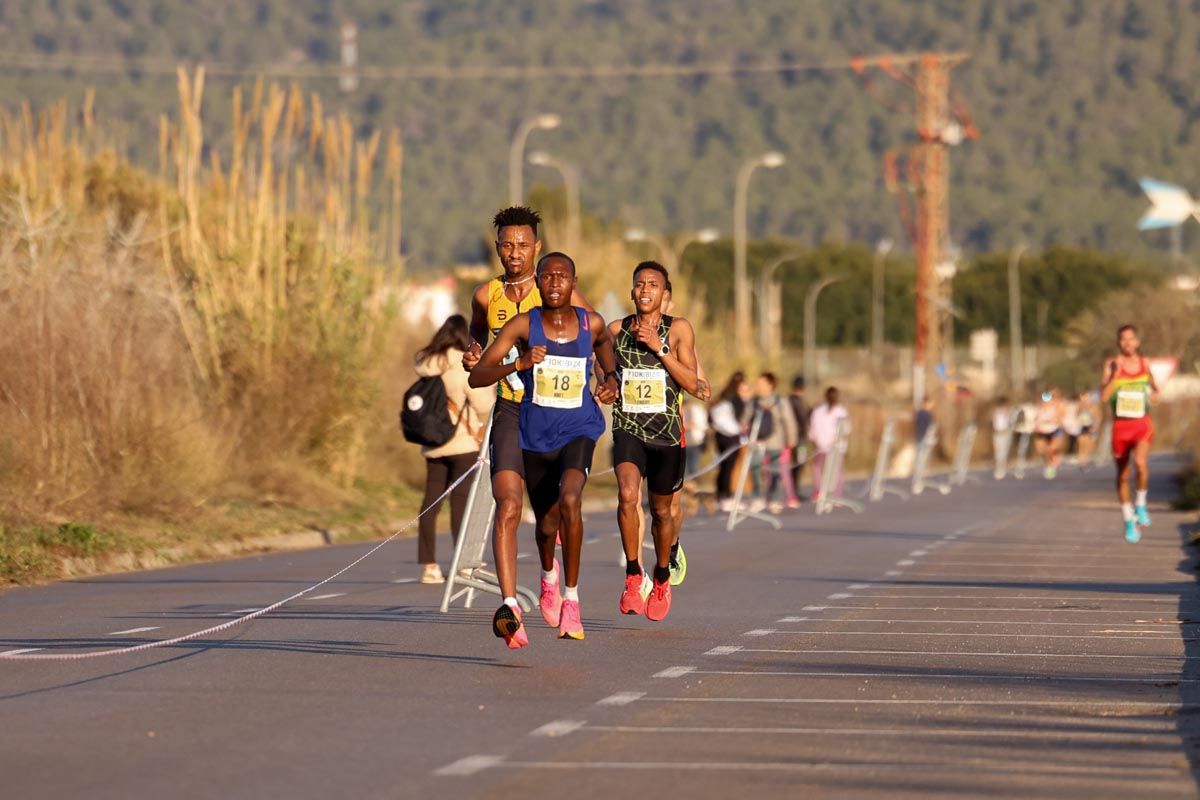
pixel 606 357
pixel 490 368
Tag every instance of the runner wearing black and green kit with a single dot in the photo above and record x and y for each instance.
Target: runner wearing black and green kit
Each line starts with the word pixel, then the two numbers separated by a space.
pixel 655 361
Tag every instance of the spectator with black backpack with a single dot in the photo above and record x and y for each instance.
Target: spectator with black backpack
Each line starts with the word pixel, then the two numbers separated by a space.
pixel 447 418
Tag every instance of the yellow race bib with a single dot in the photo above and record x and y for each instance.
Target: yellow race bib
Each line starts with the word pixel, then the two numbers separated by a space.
pixel 1131 404
pixel 559 381
pixel 643 391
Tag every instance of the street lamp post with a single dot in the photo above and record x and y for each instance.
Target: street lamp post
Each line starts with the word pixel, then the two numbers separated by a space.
pixel 516 188
pixel 810 325
pixel 770 311
pixel 570 176
pixel 741 290
pixel 1016 347
pixel 881 253
pixel 671 255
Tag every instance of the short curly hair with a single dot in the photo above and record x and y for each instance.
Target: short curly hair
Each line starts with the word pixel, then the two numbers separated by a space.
pixel 518 216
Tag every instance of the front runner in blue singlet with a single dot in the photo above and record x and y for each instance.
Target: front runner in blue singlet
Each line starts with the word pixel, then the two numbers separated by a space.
pixel 559 425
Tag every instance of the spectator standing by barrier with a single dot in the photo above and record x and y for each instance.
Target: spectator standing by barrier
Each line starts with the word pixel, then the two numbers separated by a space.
pixel 822 432
pixel 777 444
pixel 728 417
pixel 800 413
pixel 923 420
pixel 468 409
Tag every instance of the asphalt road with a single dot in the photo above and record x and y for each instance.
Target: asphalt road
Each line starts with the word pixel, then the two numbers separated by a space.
pixel 1001 641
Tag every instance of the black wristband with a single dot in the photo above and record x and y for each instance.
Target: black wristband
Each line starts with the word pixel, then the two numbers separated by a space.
pixel 611 373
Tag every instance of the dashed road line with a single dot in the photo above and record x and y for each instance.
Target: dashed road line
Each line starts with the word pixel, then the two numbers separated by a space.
pixel 621 699
pixel 560 727
pixel 724 650
pixel 972 654
pixel 674 672
pixel 328 596
pixel 469 765
pixel 760 632
pixel 134 630
pixel 22 650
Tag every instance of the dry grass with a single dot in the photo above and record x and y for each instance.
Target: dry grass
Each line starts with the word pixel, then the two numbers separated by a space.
pixel 212 331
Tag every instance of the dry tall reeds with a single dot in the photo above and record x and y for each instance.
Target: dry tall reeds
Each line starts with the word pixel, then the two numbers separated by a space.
pixel 169 330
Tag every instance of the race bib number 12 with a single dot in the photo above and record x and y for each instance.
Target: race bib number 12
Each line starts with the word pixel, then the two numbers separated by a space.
pixel 559 381
pixel 643 391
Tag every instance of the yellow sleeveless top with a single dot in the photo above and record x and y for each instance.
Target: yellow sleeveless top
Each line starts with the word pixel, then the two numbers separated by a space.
pixel 500 309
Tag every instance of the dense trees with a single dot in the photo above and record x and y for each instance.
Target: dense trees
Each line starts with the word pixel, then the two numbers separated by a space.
pixel 1075 99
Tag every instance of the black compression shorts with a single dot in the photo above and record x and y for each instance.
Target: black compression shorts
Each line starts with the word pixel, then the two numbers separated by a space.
pixel 504 450
pixel 544 471
pixel 661 465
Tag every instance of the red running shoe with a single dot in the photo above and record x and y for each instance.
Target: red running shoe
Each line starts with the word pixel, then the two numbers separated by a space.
pixel 507 625
pixel 551 599
pixel 632 601
pixel 571 626
pixel 658 604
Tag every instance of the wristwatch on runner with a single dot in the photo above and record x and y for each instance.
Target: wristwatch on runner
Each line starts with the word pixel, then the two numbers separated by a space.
pixel 662 351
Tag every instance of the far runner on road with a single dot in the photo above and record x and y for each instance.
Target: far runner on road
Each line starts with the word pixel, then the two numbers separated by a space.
pixel 1128 386
pixel 558 427
pixel 655 360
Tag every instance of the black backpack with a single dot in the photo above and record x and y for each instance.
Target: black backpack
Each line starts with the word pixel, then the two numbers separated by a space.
pixel 766 424
pixel 425 417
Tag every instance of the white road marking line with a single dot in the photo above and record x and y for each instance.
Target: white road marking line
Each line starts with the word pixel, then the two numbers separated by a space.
pixel 1172 679
pixel 22 650
pixel 1049 597
pixel 328 596
pixel 1140 772
pixel 1161 706
pixel 560 727
pixel 1030 609
pixel 406 580
pixel 521 556
pixel 936 733
pixel 793 619
pixel 860 621
pixel 134 630
pixel 859 586
pixel 244 610
pixel 1054 565
pixel 840 596
pixel 894 573
pixel 469 765
pixel 814 608
pixel 916 634
pixel 621 699
pixel 724 650
pixel 905 562
pixel 918 553
pixel 674 672
pixel 760 632
pixel 965 653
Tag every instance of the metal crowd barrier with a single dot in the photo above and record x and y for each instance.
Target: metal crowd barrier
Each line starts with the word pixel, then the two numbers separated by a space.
pixel 920 477
pixel 468 572
pixel 737 513
pixel 1022 455
pixel 877 487
pixel 962 455
pixel 831 496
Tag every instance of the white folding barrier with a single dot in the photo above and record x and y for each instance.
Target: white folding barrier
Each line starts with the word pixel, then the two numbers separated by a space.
pixel 878 486
pixel 468 572
pixel 920 477
pixel 831 489
pixel 962 455
pixel 738 514
pixel 1022 455
pixel 1102 455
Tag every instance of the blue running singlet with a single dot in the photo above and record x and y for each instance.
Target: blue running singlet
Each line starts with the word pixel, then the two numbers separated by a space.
pixel 558 406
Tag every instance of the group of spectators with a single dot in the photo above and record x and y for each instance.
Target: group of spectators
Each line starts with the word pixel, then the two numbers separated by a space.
pixel 782 434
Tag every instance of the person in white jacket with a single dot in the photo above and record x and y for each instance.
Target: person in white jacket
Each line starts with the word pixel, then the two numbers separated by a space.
pixel 445 464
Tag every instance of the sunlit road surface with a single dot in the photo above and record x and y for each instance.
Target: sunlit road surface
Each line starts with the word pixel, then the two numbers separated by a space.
pixel 1001 641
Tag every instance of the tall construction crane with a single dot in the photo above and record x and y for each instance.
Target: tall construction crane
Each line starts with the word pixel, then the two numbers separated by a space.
pixel 941 124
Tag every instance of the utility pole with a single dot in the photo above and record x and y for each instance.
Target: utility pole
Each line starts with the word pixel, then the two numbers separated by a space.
pixel 348 78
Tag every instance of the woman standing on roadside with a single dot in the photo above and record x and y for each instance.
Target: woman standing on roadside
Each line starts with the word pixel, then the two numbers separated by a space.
pixel 447 463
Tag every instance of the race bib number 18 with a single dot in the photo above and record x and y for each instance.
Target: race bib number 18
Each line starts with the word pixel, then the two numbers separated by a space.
pixel 643 391
pixel 558 382
pixel 1131 404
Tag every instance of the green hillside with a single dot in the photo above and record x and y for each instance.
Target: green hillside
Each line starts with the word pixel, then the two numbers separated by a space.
pixel 1075 99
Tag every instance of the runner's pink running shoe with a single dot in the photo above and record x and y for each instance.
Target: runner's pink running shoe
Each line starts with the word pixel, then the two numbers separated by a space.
pixel 507 625
pixel 571 626
pixel 631 599
pixel 658 605
pixel 551 600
